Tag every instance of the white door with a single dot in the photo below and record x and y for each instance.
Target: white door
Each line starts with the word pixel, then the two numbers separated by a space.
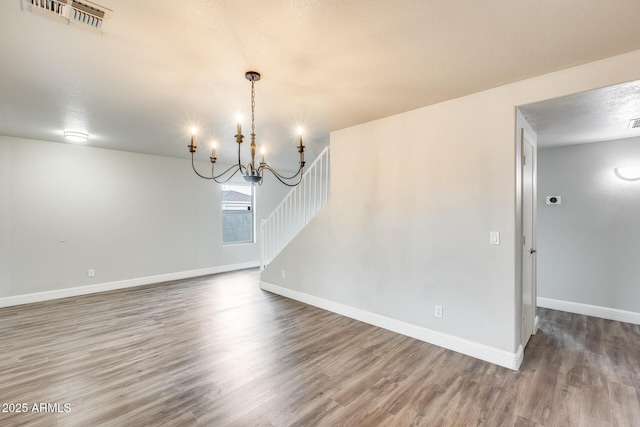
pixel 529 158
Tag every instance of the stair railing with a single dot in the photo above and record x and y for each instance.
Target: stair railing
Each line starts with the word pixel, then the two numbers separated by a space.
pixel 294 212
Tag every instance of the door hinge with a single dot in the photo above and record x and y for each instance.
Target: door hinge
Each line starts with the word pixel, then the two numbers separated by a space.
pixel 524 240
pixel 524 160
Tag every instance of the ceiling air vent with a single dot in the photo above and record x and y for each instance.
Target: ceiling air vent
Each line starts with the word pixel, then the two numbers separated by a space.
pixel 57 7
pixel 634 124
pixel 86 14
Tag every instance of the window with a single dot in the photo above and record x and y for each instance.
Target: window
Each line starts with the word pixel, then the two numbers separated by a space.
pixel 237 214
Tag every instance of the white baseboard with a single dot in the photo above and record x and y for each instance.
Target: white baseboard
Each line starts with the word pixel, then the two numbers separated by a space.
pixel 120 284
pixel 590 310
pixel 460 345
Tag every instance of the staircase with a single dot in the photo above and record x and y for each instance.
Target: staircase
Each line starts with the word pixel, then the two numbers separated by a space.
pixel 294 212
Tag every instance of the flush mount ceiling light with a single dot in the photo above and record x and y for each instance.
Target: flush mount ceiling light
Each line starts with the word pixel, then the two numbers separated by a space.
pixel 75 136
pixel 629 173
pixel 250 172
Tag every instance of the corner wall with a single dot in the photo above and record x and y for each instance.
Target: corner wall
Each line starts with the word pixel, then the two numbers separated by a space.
pixel 68 208
pixel 414 197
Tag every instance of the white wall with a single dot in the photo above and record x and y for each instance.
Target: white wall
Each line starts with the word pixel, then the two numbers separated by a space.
pixel 66 208
pixel 588 246
pixel 414 197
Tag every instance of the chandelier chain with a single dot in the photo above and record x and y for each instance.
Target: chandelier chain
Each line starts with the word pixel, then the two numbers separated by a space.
pixel 253 107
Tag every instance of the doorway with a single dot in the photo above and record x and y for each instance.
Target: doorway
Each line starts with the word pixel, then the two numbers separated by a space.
pixel 586 220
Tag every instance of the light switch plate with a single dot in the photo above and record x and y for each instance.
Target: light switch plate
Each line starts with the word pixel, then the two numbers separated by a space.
pixel 494 237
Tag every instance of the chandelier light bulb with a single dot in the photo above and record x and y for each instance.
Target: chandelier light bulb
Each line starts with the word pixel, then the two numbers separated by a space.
pixel 239 122
pixel 213 151
pixel 300 146
pixel 192 146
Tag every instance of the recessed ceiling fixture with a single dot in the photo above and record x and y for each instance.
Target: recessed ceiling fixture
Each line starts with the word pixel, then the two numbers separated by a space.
pixel 75 136
pixel 629 173
pixel 250 172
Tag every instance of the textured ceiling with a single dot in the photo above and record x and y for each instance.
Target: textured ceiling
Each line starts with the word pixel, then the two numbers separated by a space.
pixel 597 115
pixel 161 66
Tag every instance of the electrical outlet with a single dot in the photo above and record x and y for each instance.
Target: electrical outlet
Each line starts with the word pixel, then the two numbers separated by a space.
pixel 554 200
pixel 283 274
pixel 438 312
pixel 91 272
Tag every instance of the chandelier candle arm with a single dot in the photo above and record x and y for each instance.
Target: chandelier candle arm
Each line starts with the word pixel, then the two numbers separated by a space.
pixel 301 150
pixel 213 157
pixel 284 179
pixel 250 172
pixel 239 141
pixel 192 149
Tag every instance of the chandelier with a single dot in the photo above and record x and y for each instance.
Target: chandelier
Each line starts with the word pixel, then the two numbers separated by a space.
pixel 250 172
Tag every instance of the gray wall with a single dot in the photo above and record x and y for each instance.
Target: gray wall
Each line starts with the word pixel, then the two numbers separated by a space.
pixel 414 197
pixel 66 208
pixel 407 227
pixel 588 246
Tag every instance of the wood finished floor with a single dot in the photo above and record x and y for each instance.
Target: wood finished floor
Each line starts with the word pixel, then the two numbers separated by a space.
pixel 218 351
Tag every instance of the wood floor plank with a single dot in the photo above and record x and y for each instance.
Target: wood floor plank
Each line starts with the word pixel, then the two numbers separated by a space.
pixel 540 396
pixel 567 406
pixel 513 394
pixel 623 399
pixel 216 350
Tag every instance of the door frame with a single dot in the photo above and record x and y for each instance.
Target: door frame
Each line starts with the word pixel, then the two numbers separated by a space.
pixel 526 138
